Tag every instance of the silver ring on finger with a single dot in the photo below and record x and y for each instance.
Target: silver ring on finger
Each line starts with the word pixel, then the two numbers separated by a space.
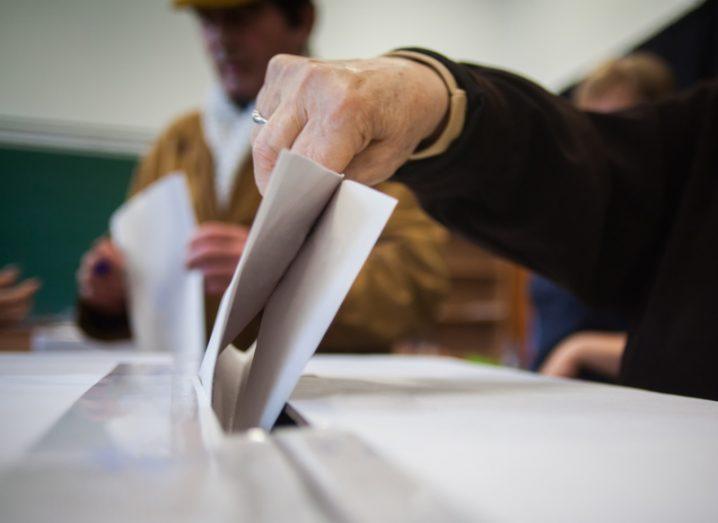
pixel 258 118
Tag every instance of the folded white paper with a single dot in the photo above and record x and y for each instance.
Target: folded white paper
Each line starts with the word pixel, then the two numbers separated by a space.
pixel 312 234
pixel 166 305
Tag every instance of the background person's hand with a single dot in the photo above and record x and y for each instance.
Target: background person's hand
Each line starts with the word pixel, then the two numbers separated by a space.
pixel 597 352
pixel 16 298
pixel 215 249
pixel 101 277
pixel 564 361
pixel 362 117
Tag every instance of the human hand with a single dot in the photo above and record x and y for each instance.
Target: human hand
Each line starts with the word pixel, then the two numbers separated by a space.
pixel 15 298
pixel 215 249
pixel 564 360
pixel 597 352
pixel 361 117
pixel 101 277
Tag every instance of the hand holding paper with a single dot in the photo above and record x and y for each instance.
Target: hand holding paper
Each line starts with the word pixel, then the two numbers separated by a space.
pixel 101 277
pixel 165 300
pixel 215 249
pixel 309 240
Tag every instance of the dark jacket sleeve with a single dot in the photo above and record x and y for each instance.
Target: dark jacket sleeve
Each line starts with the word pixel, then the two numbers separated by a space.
pixel 585 199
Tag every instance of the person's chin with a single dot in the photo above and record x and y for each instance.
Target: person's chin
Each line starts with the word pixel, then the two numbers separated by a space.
pixel 239 93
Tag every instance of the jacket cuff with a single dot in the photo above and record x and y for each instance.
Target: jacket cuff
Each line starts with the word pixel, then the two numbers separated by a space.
pixel 430 176
pixel 457 104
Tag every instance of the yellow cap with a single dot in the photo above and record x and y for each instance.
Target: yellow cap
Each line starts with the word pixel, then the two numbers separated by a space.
pixel 212 4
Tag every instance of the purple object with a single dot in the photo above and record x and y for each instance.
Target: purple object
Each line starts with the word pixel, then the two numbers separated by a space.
pixel 102 268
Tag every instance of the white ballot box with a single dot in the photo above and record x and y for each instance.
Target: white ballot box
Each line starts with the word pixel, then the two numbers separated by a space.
pixel 387 438
pixel 141 443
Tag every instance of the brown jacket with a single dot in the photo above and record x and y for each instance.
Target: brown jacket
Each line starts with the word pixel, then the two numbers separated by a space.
pixel 398 291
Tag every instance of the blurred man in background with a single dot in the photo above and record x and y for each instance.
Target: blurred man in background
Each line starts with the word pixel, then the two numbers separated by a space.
pixel 396 295
pixel 572 339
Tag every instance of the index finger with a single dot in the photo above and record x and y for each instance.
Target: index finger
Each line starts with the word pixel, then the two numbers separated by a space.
pixel 331 137
pixel 220 230
pixel 8 275
pixel 214 234
pixel 269 139
pixel 20 293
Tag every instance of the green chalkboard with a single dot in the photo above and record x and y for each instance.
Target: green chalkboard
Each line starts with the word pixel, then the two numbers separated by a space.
pixel 53 204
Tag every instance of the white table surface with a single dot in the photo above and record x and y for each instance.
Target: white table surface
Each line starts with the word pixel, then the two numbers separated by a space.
pixel 37 388
pixel 511 446
pixel 498 444
pixel 142 445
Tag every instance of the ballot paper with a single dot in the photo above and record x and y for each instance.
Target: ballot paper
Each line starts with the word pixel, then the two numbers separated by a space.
pixel 312 234
pixel 166 303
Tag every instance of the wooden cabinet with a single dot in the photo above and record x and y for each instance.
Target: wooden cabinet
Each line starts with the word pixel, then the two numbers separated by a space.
pixel 485 313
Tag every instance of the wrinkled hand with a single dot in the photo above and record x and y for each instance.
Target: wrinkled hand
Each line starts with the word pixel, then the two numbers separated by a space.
pixel 15 298
pixel 215 250
pixel 362 117
pixel 101 277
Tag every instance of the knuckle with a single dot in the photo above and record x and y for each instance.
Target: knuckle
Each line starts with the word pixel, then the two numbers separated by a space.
pixel 281 62
pixel 275 65
pixel 311 75
pixel 278 61
pixel 313 69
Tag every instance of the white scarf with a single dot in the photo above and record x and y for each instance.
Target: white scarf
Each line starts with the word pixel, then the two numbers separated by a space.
pixel 227 131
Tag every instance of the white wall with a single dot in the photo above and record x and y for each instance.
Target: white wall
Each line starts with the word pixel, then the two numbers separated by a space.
pixel 128 66
pixel 127 63
pixel 552 41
